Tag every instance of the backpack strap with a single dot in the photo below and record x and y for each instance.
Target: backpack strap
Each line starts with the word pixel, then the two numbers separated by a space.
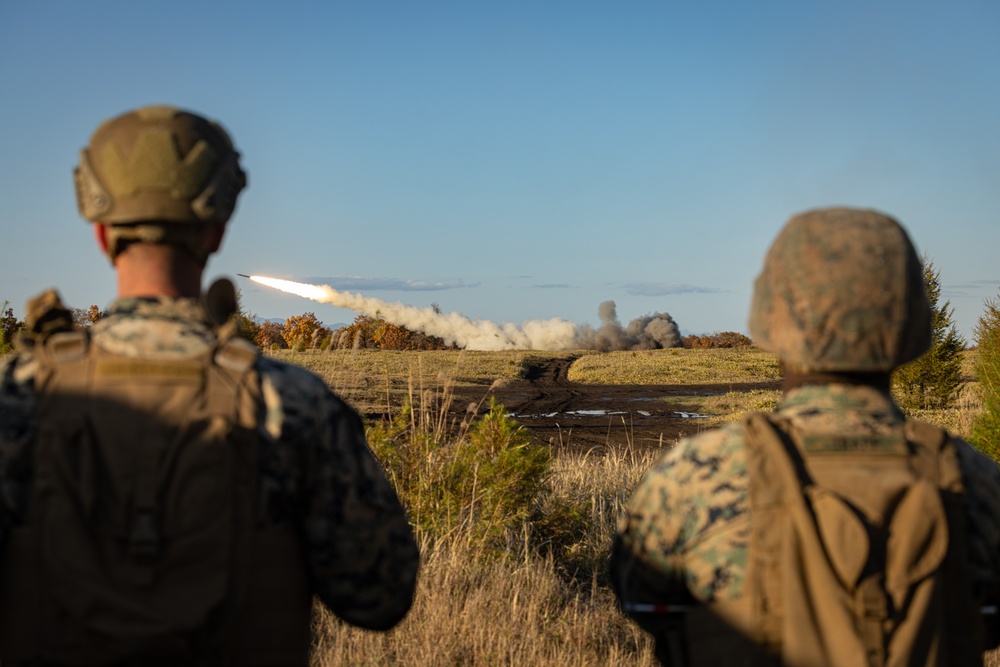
pixel 934 455
pixel 807 543
pixel 936 451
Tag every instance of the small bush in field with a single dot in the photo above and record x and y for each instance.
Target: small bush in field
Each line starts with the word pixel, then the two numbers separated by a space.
pixel 986 425
pixel 490 482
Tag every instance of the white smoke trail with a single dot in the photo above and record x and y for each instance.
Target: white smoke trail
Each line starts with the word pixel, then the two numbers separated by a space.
pixel 554 334
pixel 649 332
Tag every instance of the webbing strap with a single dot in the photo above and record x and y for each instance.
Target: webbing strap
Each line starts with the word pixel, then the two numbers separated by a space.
pixel 873 611
pixel 144 532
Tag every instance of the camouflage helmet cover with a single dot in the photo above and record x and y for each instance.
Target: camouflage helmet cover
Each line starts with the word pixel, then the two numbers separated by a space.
pixel 158 164
pixel 841 290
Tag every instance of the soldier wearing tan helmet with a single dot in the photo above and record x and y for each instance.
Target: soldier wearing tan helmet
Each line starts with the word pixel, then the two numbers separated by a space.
pixel 167 494
pixel 834 531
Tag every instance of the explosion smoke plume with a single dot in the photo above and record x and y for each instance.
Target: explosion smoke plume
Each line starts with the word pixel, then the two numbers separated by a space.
pixel 645 333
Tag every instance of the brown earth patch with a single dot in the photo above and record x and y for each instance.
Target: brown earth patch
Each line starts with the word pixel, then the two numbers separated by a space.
pixel 579 417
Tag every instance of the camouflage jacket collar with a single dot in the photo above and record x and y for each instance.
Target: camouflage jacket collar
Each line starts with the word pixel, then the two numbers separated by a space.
pixel 835 400
pixel 163 308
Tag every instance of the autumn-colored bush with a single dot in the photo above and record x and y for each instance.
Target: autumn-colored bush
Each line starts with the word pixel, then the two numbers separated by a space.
pixel 304 332
pixel 269 336
pixel 726 339
pixel 422 341
pixel 389 336
pixel 374 333
pixel 359 334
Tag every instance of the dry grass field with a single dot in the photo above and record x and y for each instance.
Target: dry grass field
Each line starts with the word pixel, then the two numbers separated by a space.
pixel 538 596
pixel 521 605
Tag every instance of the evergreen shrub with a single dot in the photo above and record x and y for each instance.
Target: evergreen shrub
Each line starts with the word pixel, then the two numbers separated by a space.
pixel 931 380
pixel 986 426
pixel 488 483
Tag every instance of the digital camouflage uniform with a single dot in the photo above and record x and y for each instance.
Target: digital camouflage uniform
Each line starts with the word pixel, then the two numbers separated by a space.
pixel 316 470
pixel 686 533
pixel 841 302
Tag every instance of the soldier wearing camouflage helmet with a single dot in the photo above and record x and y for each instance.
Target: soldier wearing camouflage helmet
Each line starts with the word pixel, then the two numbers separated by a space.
pixel 167 494
pixel 833 531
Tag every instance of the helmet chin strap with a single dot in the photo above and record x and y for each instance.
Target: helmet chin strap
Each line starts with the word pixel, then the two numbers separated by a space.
pixel 191 238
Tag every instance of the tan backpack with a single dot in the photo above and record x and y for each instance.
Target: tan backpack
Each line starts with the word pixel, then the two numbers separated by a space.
pixel 141 542
pixel 857 553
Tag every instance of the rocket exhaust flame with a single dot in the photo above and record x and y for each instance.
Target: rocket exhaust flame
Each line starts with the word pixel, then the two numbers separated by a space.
pixel 649 332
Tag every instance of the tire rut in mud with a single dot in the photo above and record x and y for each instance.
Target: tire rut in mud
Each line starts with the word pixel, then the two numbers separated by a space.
pixel 597 418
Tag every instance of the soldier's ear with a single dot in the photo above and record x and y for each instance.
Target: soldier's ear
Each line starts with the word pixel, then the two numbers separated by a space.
pixel 215 234
pixel 101 234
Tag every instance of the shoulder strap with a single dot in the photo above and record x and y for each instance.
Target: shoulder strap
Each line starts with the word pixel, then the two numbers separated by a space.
pixel 935 449
pixel 814 533
pixel 60 349
pixel 934 453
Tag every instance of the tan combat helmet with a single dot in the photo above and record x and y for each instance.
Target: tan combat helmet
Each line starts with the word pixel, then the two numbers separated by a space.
pixel 841 290
pixel 159 175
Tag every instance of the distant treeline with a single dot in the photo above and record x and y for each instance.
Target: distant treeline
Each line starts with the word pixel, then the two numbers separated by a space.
pixel 723 339
pixel 306 332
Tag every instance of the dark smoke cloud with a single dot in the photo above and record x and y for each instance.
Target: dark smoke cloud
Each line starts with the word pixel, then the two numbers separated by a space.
pixel 650 332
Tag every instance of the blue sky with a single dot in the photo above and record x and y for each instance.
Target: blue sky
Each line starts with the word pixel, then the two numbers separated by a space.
pixel 520 160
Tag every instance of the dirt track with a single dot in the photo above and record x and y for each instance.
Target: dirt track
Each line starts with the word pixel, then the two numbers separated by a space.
pixel 579 417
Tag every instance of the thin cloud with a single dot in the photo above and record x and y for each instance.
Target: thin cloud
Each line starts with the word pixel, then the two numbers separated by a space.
pixel 661 289
pixel 973 288
pixel 975 284
pixel 361 284
pixel 553 286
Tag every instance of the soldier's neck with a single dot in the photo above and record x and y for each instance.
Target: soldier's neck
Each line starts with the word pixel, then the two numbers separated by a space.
pixel 146 270
pixel 794 379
